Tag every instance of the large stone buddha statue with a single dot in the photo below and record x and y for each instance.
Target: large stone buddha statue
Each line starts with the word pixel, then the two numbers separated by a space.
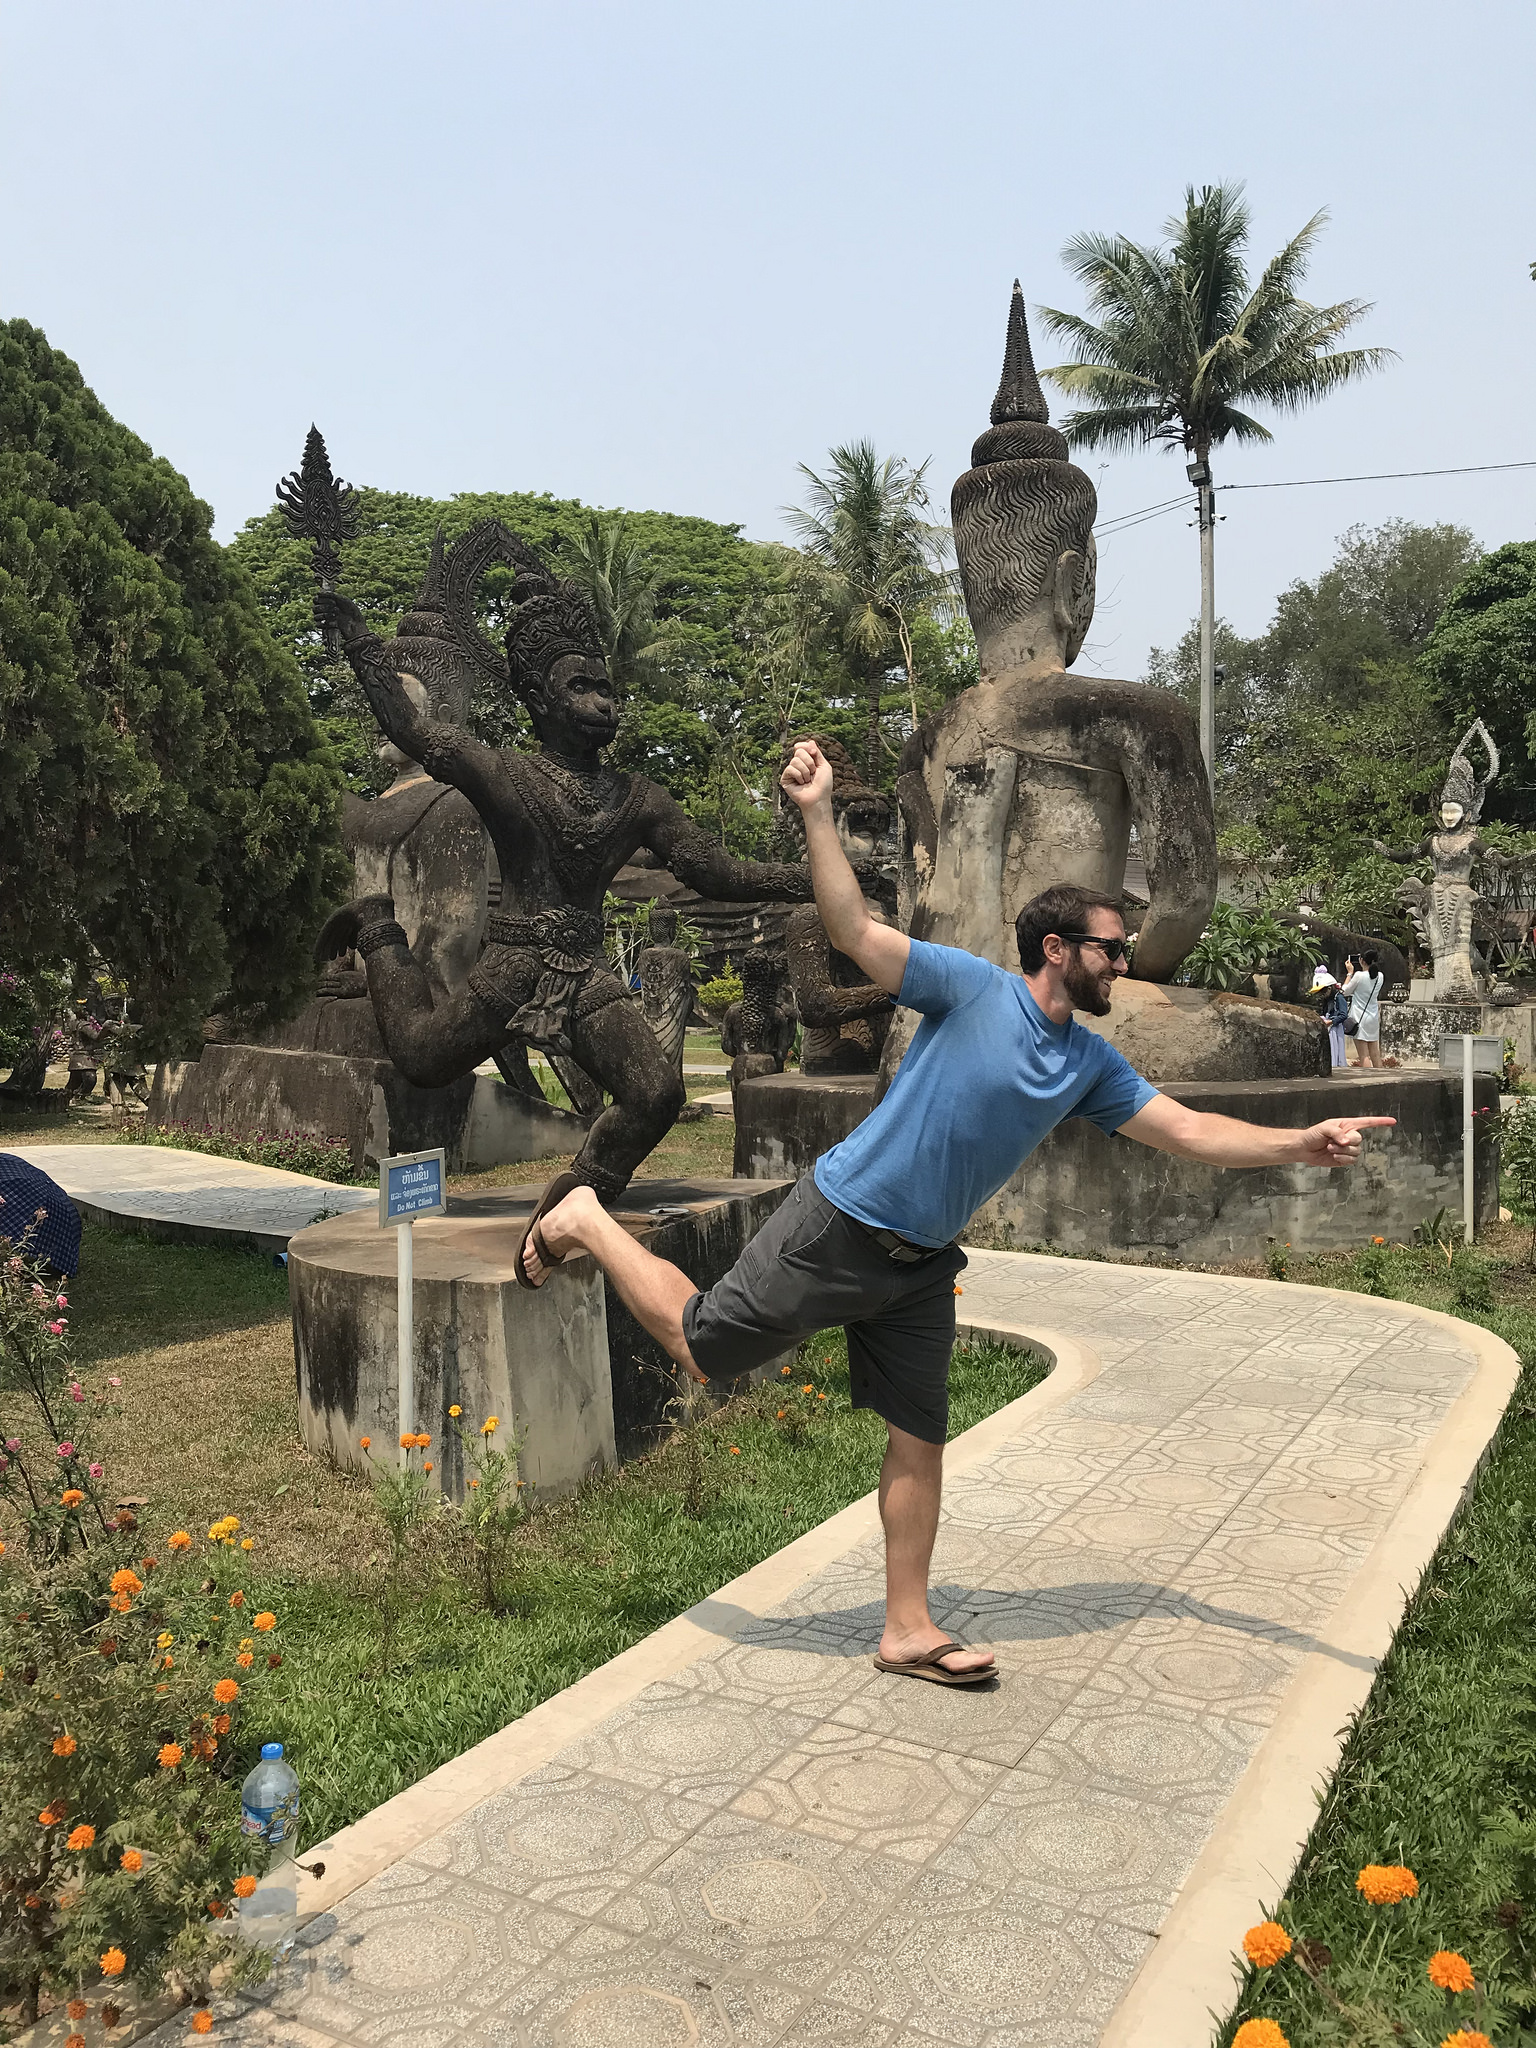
pixel 1035 775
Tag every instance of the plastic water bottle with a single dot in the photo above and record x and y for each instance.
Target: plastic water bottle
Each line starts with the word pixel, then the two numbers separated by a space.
pixel 269 1812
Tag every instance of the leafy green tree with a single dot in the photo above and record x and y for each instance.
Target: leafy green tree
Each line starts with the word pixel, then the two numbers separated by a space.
pixel 866 526
pixel 622 583
pixel 1480 660
pixel 167 804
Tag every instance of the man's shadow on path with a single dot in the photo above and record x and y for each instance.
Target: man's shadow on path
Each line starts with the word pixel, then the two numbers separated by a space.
pixel 1009 1615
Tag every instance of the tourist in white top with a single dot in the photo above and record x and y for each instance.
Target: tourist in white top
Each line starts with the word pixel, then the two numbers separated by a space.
pixel 1363 987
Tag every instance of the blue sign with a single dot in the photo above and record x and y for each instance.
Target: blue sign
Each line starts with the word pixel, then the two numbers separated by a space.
pixel 411 1185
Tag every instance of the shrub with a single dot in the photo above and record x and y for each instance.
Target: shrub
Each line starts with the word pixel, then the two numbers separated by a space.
pixel 125 1677
pixel 718 995
pixel 294 1151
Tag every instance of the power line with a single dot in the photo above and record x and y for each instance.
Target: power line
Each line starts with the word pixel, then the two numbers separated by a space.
pixel 1377 476
pixel 1144 512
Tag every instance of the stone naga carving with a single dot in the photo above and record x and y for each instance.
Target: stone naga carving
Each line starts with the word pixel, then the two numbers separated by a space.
pixel 562 824
pixel 1442 908
pixel 1035 775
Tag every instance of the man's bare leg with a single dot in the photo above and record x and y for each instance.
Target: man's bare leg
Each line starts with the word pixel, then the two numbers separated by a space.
pixel 911 1481
pixel 654 1291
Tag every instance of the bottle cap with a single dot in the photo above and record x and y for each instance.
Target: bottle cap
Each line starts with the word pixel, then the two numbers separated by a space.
pixel 269 1750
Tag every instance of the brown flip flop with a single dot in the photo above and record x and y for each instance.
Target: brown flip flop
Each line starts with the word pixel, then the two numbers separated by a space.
pixel 928 1666
pixel 558 1189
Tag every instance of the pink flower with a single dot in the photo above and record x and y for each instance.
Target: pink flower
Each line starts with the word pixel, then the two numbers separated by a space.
pixel 5 1464
pixel 13 1443
pixel 61 1301
pixel 97 1471
pixel 58 1331
pixel 114 1381
pixel 39 1293
pixel 76 1392
pixel 66 1449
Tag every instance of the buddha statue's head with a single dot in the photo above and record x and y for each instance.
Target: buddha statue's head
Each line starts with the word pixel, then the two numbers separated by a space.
pixel 662 925
pixel 1023 520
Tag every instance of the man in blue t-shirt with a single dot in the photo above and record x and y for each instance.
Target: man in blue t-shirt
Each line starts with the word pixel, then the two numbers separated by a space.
pixel 868 1239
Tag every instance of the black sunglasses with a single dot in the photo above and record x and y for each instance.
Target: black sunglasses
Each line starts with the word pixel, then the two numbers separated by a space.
pixel 1114 949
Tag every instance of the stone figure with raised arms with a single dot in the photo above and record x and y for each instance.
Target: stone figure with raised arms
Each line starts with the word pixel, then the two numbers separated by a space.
pixel 562 824
pixel 1442 907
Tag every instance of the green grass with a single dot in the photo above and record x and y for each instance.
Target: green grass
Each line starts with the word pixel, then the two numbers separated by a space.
pixel 591 1574
pixel 1439 1771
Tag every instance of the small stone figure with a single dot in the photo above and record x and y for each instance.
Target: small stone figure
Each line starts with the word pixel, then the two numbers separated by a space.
pixel 562 824
pixel 666 985
pixel 843 1017
pixel 1035 776
pixel 1442 907
pixel 759 1031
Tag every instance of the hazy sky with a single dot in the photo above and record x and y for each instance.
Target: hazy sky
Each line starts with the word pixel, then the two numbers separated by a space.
pixel 658 254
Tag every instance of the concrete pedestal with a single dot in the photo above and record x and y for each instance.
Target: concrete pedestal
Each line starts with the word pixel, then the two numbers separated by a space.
pixel 565 1365
pixel 478 1120
pixel 1084 1192
pixel 1413 1030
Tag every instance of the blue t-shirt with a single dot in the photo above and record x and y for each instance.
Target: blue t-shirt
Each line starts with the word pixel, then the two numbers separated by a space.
pixel 986 1077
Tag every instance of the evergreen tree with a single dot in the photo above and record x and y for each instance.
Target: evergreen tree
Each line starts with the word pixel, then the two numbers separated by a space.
pixel 167 805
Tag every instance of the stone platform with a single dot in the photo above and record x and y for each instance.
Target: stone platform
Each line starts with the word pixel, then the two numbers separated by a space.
pixel 565 1365
pixel 1085 1192
pixel 1190 1548
pixel 478 1121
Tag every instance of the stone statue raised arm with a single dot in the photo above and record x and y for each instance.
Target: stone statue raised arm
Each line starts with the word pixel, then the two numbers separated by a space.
pixel 1442 907
pixel 562 824
pixel 1034 775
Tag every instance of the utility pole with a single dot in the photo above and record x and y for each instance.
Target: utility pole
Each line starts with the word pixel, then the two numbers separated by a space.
pixel 1199 474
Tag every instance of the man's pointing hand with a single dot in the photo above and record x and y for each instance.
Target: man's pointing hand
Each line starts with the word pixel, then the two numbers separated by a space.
pixel 1336 1140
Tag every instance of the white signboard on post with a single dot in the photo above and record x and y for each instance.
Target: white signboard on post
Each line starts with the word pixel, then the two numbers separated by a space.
pixel 411 1185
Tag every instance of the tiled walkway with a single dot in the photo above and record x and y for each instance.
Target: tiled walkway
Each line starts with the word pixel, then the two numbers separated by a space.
pixel 757 1839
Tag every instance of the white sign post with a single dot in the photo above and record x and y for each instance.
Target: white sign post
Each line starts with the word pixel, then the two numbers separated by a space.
pixel 1469 1053
pixel 410 1185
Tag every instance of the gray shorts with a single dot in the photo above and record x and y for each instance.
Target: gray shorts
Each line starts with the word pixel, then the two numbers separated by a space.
pixel 811 1266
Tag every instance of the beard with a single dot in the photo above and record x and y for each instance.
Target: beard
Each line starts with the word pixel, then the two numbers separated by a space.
pixel 1088 990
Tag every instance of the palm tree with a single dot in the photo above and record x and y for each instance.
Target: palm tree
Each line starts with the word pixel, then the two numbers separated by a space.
pixel 881 559
pixel 1183 342
pixel 621 585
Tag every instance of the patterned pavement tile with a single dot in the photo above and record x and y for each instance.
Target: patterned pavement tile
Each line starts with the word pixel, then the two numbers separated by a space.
pixel 780 1847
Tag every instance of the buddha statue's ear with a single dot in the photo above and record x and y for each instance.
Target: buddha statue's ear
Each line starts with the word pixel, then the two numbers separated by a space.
pixel 1072 597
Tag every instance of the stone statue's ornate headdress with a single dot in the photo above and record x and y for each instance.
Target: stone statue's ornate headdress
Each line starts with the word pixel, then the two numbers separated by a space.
pixel 1461 783
pixel 549 618
pixel 1021 505
pixel 426 647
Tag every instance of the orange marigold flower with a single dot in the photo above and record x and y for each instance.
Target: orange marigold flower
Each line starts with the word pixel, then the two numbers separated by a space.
pixel 206 1747
pixel 71 1497
pixel 120 1603
pixel 959 1290
pixel 784 1369
pixel 179 1539
pixel 125 1581
pixel 217 1908
pixel 64 1745
pixel 245 1660
pixel 133 1861
pixel 1259 2034
pixel 781 1415
pixel 77 2008
pixel 244 1886
pixel 455 1410
pixel 247 1542
pixel 74 2041
pixel 264 1620
pixel 735 1450
pixel 1387 1884
pixel 202 2021
pixel 365 1441
pixel 821 1397
pixel 1266 1944
pixel 48 1817
pixel 1466 2037
pixel 81 1837
pixel 113 1963
pixel 32 1902
pixel 807 1388
pixel 423 1441
pixel 1449 1971
pixel 408 1441
pixel 428 1466
pixel 221 1724
pixel 225 1691
pixel 169 1756
pixel 237 1599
